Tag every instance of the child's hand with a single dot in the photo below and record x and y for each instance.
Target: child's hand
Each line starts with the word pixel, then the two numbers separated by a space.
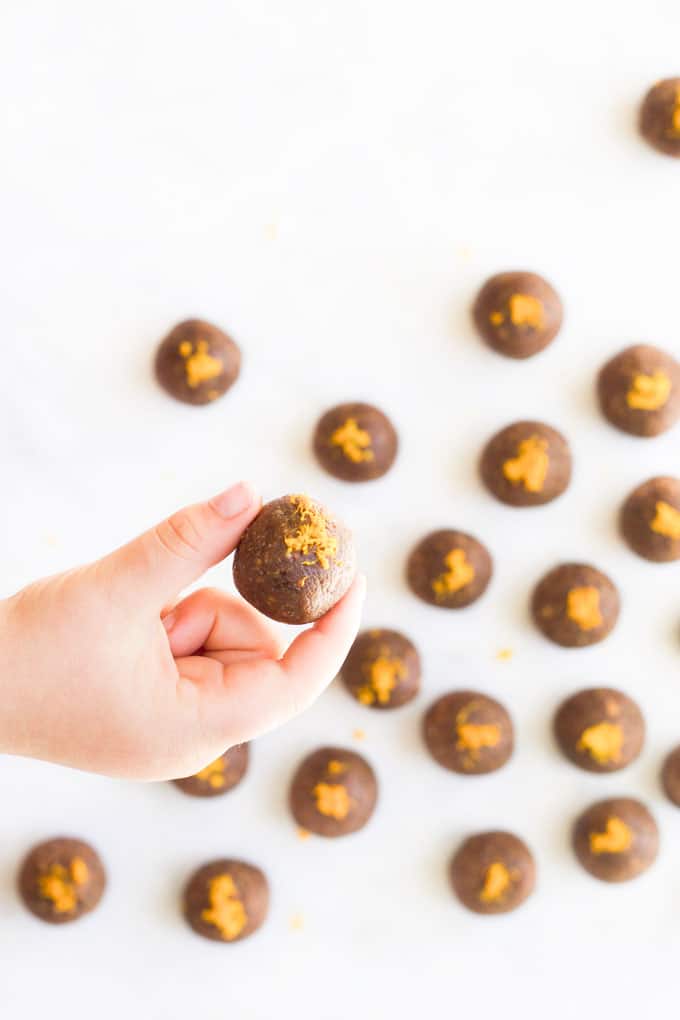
pixel 98 672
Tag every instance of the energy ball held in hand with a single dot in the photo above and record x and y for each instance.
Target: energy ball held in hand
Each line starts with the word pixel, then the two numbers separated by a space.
pixel 226 900
pixel 518 314
pixel 61 880
pixel 197 363
pixel 219 776
pixel 355 442
pixel 295 561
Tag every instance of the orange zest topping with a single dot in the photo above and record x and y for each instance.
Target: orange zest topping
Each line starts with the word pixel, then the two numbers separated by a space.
pixel 530 466
pixel 226 911
pixel 354 442
pixel 459 573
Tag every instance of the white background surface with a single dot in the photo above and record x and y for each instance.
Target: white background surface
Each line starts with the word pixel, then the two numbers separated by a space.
pixel 331 183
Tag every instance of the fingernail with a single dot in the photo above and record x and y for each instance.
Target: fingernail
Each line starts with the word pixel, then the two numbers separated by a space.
pixel 234 501
pixel 169 621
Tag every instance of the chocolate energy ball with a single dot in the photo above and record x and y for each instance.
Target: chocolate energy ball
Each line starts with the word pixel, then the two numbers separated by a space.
pixel 61 880
pixel 639 391
pixel 197 363
pixel 382 669
pixel 468 732
pixel 660 116
pixel 518 314
pixel 600 729
pixel 333 792
pixel 355 442
pixel 226 900
pixel 526 464
pixel 616 840
pixel 219 776
pixel 670 776
pixel 493 873
pixel 650 520
pixel 575 605
pixel 449 569
pixel 295 561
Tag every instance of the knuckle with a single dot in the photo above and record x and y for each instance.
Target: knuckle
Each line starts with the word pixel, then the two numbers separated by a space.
pixel 179 535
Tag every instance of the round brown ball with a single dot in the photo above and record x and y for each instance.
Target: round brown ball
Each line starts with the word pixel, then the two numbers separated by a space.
pixel 61 880
pixel 382 669
pixel 197 363
pixel 600 729
pixel 469 733
pixel 575 605
pixel 226 900
pixel 493 873
pixel 660 116
pixel 650 520
pixel 220 776
pixel 526 464
pixel 616 840
pixel 518 314
pixel 670 776
pixel 639 391
pixel 295 561
pixel 355 442
pixel 449 569
pixel 333 792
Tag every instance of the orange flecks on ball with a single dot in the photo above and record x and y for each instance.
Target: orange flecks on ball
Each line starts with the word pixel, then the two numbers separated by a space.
pixel 526 310
pixel 384 673
pixel 530 466
pixel 649 392
pixel 474 736
pixel 213 774
pixel 459 573
pixel 674 129
pixel 497 881
pixel 226 911
pixel 616 839
pixel 332 800
pixel 312 535
pixel 603 742
pixel 200 366
pixel 354 442
pixel 666 520
pixel 583 607
pixel 60 884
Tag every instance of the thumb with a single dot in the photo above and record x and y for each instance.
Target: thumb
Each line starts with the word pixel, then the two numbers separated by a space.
pixel 165 559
